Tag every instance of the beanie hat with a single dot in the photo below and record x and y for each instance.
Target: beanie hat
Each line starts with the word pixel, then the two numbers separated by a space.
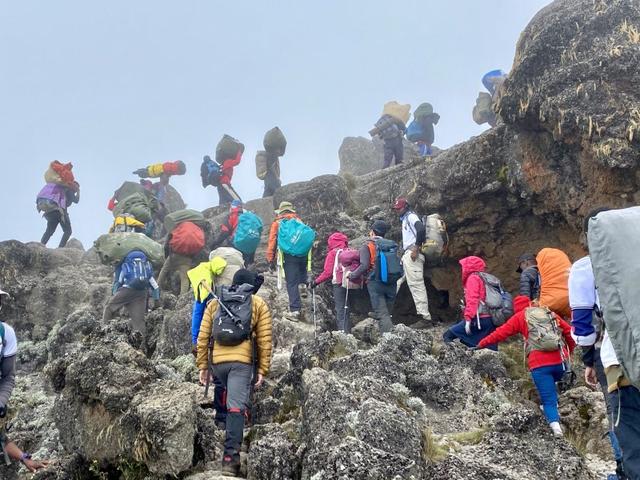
pixel 244 276
pixel 380 227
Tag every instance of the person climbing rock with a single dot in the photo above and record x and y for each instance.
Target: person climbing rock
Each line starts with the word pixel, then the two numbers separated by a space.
pixel 381 285
pixel 296 265
pixel 391 130
pixel 236 350
pixel 336 243
pixel 529 276
pixel 421 130
pixel 133 278
pixel 242 230
pixel 8 351
pixel 275 145
pixel 54 201
pixel 477 322
pixel 548 346
pixel 182 246
pixel 413 236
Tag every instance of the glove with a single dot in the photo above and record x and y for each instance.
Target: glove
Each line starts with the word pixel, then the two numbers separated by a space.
pixel 467 327
pixel 3 411
pixel 310 279
pixel 313 285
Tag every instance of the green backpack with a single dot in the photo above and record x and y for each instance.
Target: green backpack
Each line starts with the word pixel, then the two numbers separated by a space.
pixel 544 332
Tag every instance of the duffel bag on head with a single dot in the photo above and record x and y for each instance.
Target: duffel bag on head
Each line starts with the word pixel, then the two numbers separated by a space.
pixel 136 271
pixel 295 238
pixel 112 248
pixel 398 111
pixel 248 232
pixel 498 302
pixel 232 323
pixel 275 142
pixel 228 148
pixel 141 205
pixel 387 263
pixel 173 219
pixel 347 260
pixel 210 172
pixel 187 239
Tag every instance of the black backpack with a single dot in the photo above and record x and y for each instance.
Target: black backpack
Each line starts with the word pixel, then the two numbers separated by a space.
pixel 232 323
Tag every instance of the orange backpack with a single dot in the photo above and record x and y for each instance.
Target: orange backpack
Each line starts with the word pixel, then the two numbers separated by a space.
pixel 554 266
pixel 187 239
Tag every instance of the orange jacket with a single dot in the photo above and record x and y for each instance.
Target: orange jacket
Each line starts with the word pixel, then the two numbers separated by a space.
pixel 273 234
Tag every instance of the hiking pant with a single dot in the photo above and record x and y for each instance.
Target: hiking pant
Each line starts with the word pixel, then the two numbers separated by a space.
pixel 382 297
pixel 135 302
pixel 227 194
pixel 602 380
pixel 295 274
pixel 55 218
pixel 393 147
pixel 179 264
pixel 236 377
pixel 477 334
pixel 248 258
pixel 271 184
pixel 414 275
pixel 625 403
pixel 545 379
pixel 343 323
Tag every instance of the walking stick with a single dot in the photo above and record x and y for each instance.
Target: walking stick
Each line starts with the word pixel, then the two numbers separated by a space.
pixel 315 326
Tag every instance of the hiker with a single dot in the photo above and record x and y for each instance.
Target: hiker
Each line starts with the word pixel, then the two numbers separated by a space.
pixel 337 244
pixel 548 346
pixel 181 247
pixel 477 322
pixel 529 276
pixel 420 131
pixel 133 278
pixel 414 234
pixel 54 200
pixel 236 349
pixel 296 265
pixel 483 111
pixel 268 161
pixel 246 238
pixel 382 291
pixel 8 351
pixel 391 131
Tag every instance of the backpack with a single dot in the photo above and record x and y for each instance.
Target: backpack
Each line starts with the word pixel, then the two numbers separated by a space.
pixel 554 267
pixel 498 302
pixel 437 239
pixel 347 260
pixel 387 266
pixel 210 172
pixel 295 238
pixel 248 232
pixel 136 271
pixel 261 164
pixel 414 132
pixel 232 323
pixel 544 333
pixel 187 239
pixel 126 223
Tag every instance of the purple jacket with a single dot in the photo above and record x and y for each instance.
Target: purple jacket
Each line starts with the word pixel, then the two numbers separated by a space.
pixel 56 193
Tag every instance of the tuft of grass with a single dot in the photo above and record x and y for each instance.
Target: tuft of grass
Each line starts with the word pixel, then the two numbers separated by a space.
pixel 633 32
pixel 579 442
pixel 513 358
pixel 431 450
pixel 502 174
pixel 472 437
pixel 133 470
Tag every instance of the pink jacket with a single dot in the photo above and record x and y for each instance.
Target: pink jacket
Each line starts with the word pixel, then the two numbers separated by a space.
pixel 335 242
pixel 474 291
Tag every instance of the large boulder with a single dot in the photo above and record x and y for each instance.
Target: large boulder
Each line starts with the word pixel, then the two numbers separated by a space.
pixel 359 155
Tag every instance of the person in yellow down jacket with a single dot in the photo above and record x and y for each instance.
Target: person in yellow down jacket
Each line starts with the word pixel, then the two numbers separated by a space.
pixel 234 345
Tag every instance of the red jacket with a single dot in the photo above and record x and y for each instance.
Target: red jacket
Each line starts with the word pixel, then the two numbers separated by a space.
pixel 227 168
pixel 232 221
pixel 474 291
pixel 517 324
pixel 336 241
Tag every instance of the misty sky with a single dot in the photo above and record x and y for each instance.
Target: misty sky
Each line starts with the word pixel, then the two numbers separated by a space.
pixel 113 86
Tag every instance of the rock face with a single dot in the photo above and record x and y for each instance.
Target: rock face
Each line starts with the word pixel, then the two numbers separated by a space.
pixel 359 155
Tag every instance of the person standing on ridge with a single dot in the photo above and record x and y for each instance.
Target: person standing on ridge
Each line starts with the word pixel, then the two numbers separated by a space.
pixel 414 235
pixel 268 162
pixel 54 200
pixel 391 131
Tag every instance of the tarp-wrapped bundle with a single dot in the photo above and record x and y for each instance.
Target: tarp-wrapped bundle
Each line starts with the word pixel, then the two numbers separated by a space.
pixel 483 110
pixel 61 174
pixel 397 111
pixel 172 220
pixel 275 142
pixel 158 169
pixel 228 148
pixel 113 247
pixel 142 205
pixel 614 239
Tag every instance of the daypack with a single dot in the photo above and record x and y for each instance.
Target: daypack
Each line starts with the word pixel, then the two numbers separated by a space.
pixel 347 260
pixel 187 239
pixel 414 132
pixel 210 172
pixel 387 266
pixel 126 223
pixel 498 302
pixel 232 323
pixel 46 205
pixel 437 239
pixel 554 267
pixel 261 164
pixel 136 271
pixel 544 333
pixel 248 232
pixel 295 238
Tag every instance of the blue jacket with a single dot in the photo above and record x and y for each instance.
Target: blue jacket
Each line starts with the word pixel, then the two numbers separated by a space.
pixel 196 317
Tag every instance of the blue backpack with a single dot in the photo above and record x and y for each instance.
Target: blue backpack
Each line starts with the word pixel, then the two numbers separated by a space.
pixel 248 233
pixel 388 267
pixel 295 238
pixel 210 172
pixel 414 132
pixel 136 271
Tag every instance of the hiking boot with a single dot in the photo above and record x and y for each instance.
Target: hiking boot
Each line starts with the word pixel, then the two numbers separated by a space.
pixel 556 429
pixel 229 467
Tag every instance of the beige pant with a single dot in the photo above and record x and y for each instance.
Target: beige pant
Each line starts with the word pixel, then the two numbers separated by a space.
pixel 176 263
pixel 414 275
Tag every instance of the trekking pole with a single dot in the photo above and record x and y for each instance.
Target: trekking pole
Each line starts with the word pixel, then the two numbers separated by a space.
pixel 315 326
pixel 346 309
pixel 279 269
pixel 215 297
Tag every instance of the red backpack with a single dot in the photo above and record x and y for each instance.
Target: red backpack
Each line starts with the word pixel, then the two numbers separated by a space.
pixel 347 260
pixel 187 239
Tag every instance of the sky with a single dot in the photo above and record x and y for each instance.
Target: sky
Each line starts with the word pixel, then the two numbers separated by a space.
pixel 114 86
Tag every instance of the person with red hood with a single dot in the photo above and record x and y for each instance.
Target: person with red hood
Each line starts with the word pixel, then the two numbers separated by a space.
pixel 477 322
pixel 546 366
pixel 226 192
pixel 228 230
pixel 337 241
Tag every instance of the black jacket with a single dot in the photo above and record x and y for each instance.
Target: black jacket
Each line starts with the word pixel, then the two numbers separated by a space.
pixel 530 282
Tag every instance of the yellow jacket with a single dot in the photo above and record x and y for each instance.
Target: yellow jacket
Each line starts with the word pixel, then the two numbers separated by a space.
pixel 261 332
pixel 205 272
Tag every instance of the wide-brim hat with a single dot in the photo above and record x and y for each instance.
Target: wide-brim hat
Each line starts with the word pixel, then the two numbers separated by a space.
pixel 285 207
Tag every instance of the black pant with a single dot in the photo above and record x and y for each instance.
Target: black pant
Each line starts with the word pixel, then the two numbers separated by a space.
pixel 625 403
pixel 227 194
pixel 295 274
pixel 271 184
pixel 393 147
pixel 55 218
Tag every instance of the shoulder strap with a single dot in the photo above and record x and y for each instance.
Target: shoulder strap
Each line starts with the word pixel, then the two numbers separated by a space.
pixel 2 339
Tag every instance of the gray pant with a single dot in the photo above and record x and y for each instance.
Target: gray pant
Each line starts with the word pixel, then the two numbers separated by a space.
pixel 295 274
pixel 135 301
pixel 342 309
pixel 382 298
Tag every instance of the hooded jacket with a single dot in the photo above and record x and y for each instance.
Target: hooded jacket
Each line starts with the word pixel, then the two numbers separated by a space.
pixel 273 234
pixel 474 290
pixel 227 168
pixel 336 241
pixel 518 324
